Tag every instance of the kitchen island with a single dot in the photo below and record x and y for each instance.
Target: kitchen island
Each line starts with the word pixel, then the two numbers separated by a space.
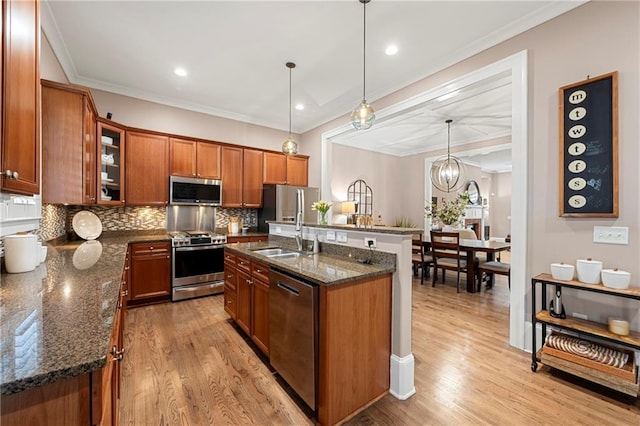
pixel 352 317
pixel 57 325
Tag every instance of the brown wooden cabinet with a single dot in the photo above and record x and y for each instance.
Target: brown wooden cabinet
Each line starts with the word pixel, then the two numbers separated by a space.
pixel 147 169
pixel 20 89
pixel 246 296
pixel 230 286
pixel 241 177
pixel 192 158
pixel 260 305
pixel 285 169
pixel 297 170
pixel 111 159
pixel 68 144
pixel 150 273
pixel 246 239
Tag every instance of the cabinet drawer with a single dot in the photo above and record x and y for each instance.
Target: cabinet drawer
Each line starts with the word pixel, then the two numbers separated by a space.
pixel 260 271
pixel 230 303
pixel 243 263
pixel 229 258
pixel 151 248
pixel 230 278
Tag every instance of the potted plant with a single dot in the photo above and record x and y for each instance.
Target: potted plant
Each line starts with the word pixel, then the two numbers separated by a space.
pixel 448 213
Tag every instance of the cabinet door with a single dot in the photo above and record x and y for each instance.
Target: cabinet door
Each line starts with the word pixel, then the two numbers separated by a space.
pixel 111 160
pixel 63 146
pixel 21 96
pixel 208 159
pixel 297 171
pixel 89 153
pixel 150 272
pixel 252 178
pixel 231 176
pixel 260 314
pixel 183 157
pixel 147 168
pixel 243 302
pixel 275 168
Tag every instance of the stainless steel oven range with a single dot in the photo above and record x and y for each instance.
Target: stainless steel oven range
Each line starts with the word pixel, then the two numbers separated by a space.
pixel 197 267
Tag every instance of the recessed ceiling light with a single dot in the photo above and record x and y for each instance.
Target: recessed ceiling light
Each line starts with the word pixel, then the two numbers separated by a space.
pixel 180 72
pixel 299 107
pixel 391 50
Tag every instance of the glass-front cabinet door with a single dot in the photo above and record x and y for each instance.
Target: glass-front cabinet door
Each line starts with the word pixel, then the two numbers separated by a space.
pixel 110 163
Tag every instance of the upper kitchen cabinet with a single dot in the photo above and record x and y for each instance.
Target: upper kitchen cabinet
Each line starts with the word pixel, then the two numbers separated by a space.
pixel 297 170
pixel 285 169
pixel 241 177
pixel 191 158
pixel 68 144
pixel 20 89
pixel 111 158
pixel 147 169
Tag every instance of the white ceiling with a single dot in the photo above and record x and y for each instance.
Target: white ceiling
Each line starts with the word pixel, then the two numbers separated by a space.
pixel 235 54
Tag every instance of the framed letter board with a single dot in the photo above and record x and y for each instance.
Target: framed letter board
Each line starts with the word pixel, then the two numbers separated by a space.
pixel 589 147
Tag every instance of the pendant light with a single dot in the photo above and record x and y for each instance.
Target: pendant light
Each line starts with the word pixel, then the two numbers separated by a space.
pixel 447 173
pixel 289 146
pixel 362 117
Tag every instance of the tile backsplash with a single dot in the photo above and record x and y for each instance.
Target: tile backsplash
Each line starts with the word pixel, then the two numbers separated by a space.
pixel 57 219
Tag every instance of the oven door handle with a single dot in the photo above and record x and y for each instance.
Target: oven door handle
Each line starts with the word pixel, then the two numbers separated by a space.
pixel 194 248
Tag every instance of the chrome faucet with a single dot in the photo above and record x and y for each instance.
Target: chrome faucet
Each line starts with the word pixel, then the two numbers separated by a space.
pixel 299 217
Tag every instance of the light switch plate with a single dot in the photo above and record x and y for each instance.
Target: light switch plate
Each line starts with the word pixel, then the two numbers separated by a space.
pixel 342 237
pixel 611 234
pixel 331 236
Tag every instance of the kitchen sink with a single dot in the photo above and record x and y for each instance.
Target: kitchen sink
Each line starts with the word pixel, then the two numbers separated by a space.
pixel 279 253
pixel 273 252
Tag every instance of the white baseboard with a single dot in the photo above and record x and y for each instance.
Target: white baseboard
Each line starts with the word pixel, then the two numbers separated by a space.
pixel 402 373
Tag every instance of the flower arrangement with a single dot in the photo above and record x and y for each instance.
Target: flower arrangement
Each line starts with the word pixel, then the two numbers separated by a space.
pixel 449 212
pixel 322 207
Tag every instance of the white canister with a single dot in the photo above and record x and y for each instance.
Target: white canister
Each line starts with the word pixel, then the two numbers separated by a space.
pixel 20 253
pixel 588 271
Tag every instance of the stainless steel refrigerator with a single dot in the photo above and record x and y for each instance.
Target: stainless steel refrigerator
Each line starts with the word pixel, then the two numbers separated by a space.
pixel 279 203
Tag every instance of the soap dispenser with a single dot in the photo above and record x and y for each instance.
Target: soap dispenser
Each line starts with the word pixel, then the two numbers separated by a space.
pixel 316 244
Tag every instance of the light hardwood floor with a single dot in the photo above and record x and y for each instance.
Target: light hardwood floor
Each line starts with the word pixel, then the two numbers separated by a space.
pixel 188 365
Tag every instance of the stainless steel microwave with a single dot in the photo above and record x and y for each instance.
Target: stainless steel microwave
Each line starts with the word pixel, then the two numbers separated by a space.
pixel 195 192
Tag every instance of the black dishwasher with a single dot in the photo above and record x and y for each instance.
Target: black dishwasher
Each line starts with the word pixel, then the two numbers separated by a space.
pixel 293 333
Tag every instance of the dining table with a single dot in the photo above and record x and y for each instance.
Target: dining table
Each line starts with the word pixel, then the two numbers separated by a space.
pixel 471 248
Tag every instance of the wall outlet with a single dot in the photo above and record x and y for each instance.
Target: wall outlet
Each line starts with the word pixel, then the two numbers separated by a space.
pixel 331 236
pixel 369 242
pixel 611 234
pixel 278 230
pixel 138 222
pixel 342 237
pixel 581 316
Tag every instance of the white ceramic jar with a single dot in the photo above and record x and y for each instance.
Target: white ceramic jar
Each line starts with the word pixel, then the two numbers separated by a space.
pixel 589 271
pixel 20 253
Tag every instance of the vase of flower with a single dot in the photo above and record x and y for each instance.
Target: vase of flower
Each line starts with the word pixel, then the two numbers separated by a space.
pixel 322 207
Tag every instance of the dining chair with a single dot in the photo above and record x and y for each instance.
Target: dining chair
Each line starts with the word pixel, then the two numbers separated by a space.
pixel 493 267
pixel 445 250
pixel 420 258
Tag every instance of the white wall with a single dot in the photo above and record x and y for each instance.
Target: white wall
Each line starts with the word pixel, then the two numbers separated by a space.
pixel 499 193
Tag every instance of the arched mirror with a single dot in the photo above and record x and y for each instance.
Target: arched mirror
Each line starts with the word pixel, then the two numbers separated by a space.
pixel 473 190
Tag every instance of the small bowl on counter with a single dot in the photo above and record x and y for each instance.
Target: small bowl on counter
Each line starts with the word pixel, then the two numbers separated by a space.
pixel 562 271
pixel 589 270
pixel 613 278
pixel 618 326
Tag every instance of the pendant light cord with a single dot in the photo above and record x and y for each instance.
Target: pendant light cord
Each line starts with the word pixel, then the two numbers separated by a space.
pixel 449 140
pixel 290 101
pixel 364 51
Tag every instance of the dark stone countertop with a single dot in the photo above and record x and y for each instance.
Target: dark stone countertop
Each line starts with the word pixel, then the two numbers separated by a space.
pixel 379 229
pixel 57 320
pixel 321 268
